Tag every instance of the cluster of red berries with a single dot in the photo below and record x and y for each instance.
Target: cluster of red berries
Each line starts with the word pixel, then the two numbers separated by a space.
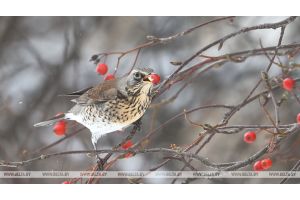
pixel 262 164
pixel 102 69
pixel 250 137
pixel 126 145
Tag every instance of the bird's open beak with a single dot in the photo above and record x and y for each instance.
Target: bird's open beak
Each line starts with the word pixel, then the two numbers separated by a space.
pixel 153 78
pixel 148 78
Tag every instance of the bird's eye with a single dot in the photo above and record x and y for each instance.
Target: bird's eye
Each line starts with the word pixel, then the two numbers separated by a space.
pixel 137 76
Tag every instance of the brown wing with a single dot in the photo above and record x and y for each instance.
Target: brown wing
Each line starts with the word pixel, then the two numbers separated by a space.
pixel 98 94
pixel 76 93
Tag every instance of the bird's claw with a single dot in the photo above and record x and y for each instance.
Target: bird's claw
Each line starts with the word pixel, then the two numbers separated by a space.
pixel 138 125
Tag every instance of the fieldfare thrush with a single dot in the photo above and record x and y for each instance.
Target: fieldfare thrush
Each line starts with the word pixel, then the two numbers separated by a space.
pixel 112 105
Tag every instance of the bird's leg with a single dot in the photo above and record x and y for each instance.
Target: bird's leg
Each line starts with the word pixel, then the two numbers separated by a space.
pixel 154 91
pixel 100 162
pixel 136 127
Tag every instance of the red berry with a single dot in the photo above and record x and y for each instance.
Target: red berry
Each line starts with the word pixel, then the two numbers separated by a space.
pixel 298 118
pixel 266 163
pixel 288 84
pixel 250 137
pixel 102 69
pixel 109 77
pixel 257 166
pixel 60 128
pixel 127 144
pixel 66 182
pixel 154 78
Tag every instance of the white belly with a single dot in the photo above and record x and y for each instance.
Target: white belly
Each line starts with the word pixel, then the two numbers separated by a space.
pixel 97 128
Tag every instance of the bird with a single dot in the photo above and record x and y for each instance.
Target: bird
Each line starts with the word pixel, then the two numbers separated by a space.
pixel 111 105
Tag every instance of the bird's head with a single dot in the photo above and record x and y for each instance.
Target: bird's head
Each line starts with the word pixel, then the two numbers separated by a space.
pixel 139 76
pixel 140 80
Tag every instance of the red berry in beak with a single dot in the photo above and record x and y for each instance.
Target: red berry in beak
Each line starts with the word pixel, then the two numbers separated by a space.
pixel 154 78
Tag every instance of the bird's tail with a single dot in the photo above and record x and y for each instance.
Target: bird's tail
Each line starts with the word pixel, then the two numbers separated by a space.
pixel 51 121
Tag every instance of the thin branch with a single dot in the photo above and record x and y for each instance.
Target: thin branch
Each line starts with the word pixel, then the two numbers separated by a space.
pixel 221 41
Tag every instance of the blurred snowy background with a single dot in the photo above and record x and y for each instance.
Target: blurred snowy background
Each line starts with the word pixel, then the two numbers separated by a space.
pixel 42 57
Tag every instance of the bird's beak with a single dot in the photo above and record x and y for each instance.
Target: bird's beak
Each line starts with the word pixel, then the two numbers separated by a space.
pixel 152 78
pixel 148 78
